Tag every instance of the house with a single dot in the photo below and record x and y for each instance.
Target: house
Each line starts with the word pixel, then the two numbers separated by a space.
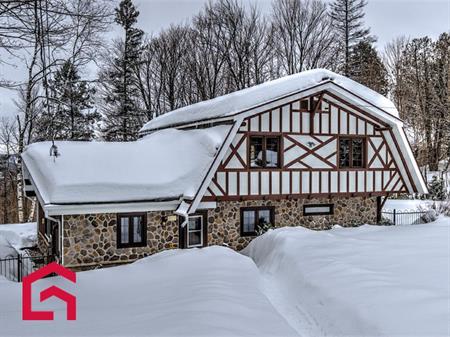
pixel 312 149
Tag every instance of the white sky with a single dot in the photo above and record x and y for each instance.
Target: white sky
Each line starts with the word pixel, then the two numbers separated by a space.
pixel 387 19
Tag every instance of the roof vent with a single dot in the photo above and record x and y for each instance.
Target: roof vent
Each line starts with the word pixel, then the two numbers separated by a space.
pixel 327 78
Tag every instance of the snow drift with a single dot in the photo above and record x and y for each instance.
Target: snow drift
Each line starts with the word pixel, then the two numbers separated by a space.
pixel 199 292
pixel 366 281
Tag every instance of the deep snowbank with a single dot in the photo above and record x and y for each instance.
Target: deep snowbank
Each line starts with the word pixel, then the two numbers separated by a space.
pixel 366 281
pixel 209 292
pixel 14 237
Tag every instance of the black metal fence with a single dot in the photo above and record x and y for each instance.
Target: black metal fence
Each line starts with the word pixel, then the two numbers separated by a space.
pixel 404 217
pixel 15 268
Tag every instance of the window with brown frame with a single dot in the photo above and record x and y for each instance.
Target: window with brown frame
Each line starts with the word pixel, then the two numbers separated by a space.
pixel 264 152
pixel 253 218
pixel 352 152
pixel 131 230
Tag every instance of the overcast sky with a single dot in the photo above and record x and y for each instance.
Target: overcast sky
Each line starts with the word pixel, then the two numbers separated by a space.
pixel 386 18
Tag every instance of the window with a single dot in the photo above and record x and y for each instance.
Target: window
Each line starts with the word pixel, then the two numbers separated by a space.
pixel 318 209
pixel 304 104
pixel 131 230
pixel 264 151
pixel 351 152
pixel 195 231
pixel 253 218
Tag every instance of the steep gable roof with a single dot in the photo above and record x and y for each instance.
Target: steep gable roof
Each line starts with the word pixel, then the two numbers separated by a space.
pixel 239 101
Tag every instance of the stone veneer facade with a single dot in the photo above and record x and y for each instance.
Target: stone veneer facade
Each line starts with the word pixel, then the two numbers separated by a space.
pixel 90 240
pixel 224 220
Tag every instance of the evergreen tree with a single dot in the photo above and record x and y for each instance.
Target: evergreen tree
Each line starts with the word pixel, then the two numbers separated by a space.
pixel 71 103
pixel 366 67
pixel 436 189
pixel 122 115
pixel 347 18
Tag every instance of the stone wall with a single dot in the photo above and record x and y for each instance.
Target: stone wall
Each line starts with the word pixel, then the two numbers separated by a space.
pixel 91 239
pixel 224 220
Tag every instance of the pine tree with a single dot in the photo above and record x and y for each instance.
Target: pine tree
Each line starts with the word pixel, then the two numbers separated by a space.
pixel 122 115
pixel 436 189
pixel 366 67
pixel 347 18
pixel 71 103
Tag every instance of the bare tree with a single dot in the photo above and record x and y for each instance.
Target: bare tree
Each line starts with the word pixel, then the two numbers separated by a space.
pixel 304 35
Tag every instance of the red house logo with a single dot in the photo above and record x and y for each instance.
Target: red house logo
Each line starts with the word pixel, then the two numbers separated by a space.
pixel 27 312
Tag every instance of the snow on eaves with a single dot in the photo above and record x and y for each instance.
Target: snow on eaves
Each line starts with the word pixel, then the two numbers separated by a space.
pixel 167 164
pixel 241 100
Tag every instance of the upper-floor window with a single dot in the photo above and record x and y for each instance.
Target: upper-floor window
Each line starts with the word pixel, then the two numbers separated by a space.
pixel 131 230
pixel 264 151
pixel 352 152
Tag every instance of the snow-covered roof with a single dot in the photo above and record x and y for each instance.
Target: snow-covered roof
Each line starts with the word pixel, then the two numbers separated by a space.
pixel 167 164
pixel 228 105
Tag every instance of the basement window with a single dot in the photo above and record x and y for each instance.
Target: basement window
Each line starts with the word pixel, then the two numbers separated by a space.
pixel 318 209
pixel 131 230
pixel 253 218
pixel 264 151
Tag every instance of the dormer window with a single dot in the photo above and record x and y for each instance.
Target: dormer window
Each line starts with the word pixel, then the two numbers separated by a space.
pixel 264 152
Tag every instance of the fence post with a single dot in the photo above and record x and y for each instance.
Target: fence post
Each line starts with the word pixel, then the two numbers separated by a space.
pixel 395 218
pixel 19 268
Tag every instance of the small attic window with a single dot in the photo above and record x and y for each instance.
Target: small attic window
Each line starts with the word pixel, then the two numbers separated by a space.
pixel 304 104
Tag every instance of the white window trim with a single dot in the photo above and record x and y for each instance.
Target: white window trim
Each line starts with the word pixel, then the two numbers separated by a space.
pixel 201 232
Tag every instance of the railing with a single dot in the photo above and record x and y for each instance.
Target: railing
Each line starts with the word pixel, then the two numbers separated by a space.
pixel 404 217
pixel 15 268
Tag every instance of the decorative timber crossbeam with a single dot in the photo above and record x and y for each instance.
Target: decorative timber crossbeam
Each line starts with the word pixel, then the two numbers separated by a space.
pixel 314 107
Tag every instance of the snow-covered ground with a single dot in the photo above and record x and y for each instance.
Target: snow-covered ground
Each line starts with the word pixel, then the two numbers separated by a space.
pixel 14 237
pixel 365 281
pixel 412 204
pixel 199 292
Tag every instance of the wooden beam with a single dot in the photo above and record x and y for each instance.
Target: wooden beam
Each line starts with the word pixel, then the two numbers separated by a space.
pixel 313 112
pixel 377 128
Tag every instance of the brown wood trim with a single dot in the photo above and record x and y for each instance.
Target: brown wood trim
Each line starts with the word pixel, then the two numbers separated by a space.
pixel 234 152
pixel 297 196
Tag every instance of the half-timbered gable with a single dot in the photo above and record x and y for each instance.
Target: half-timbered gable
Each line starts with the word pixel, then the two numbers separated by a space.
pixel 308 136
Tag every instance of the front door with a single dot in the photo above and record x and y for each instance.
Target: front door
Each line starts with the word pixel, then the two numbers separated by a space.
pixel 195 233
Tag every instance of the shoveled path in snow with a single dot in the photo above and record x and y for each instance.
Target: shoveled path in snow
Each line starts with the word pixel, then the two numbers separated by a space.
pixel 296 314
pixel 366 281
